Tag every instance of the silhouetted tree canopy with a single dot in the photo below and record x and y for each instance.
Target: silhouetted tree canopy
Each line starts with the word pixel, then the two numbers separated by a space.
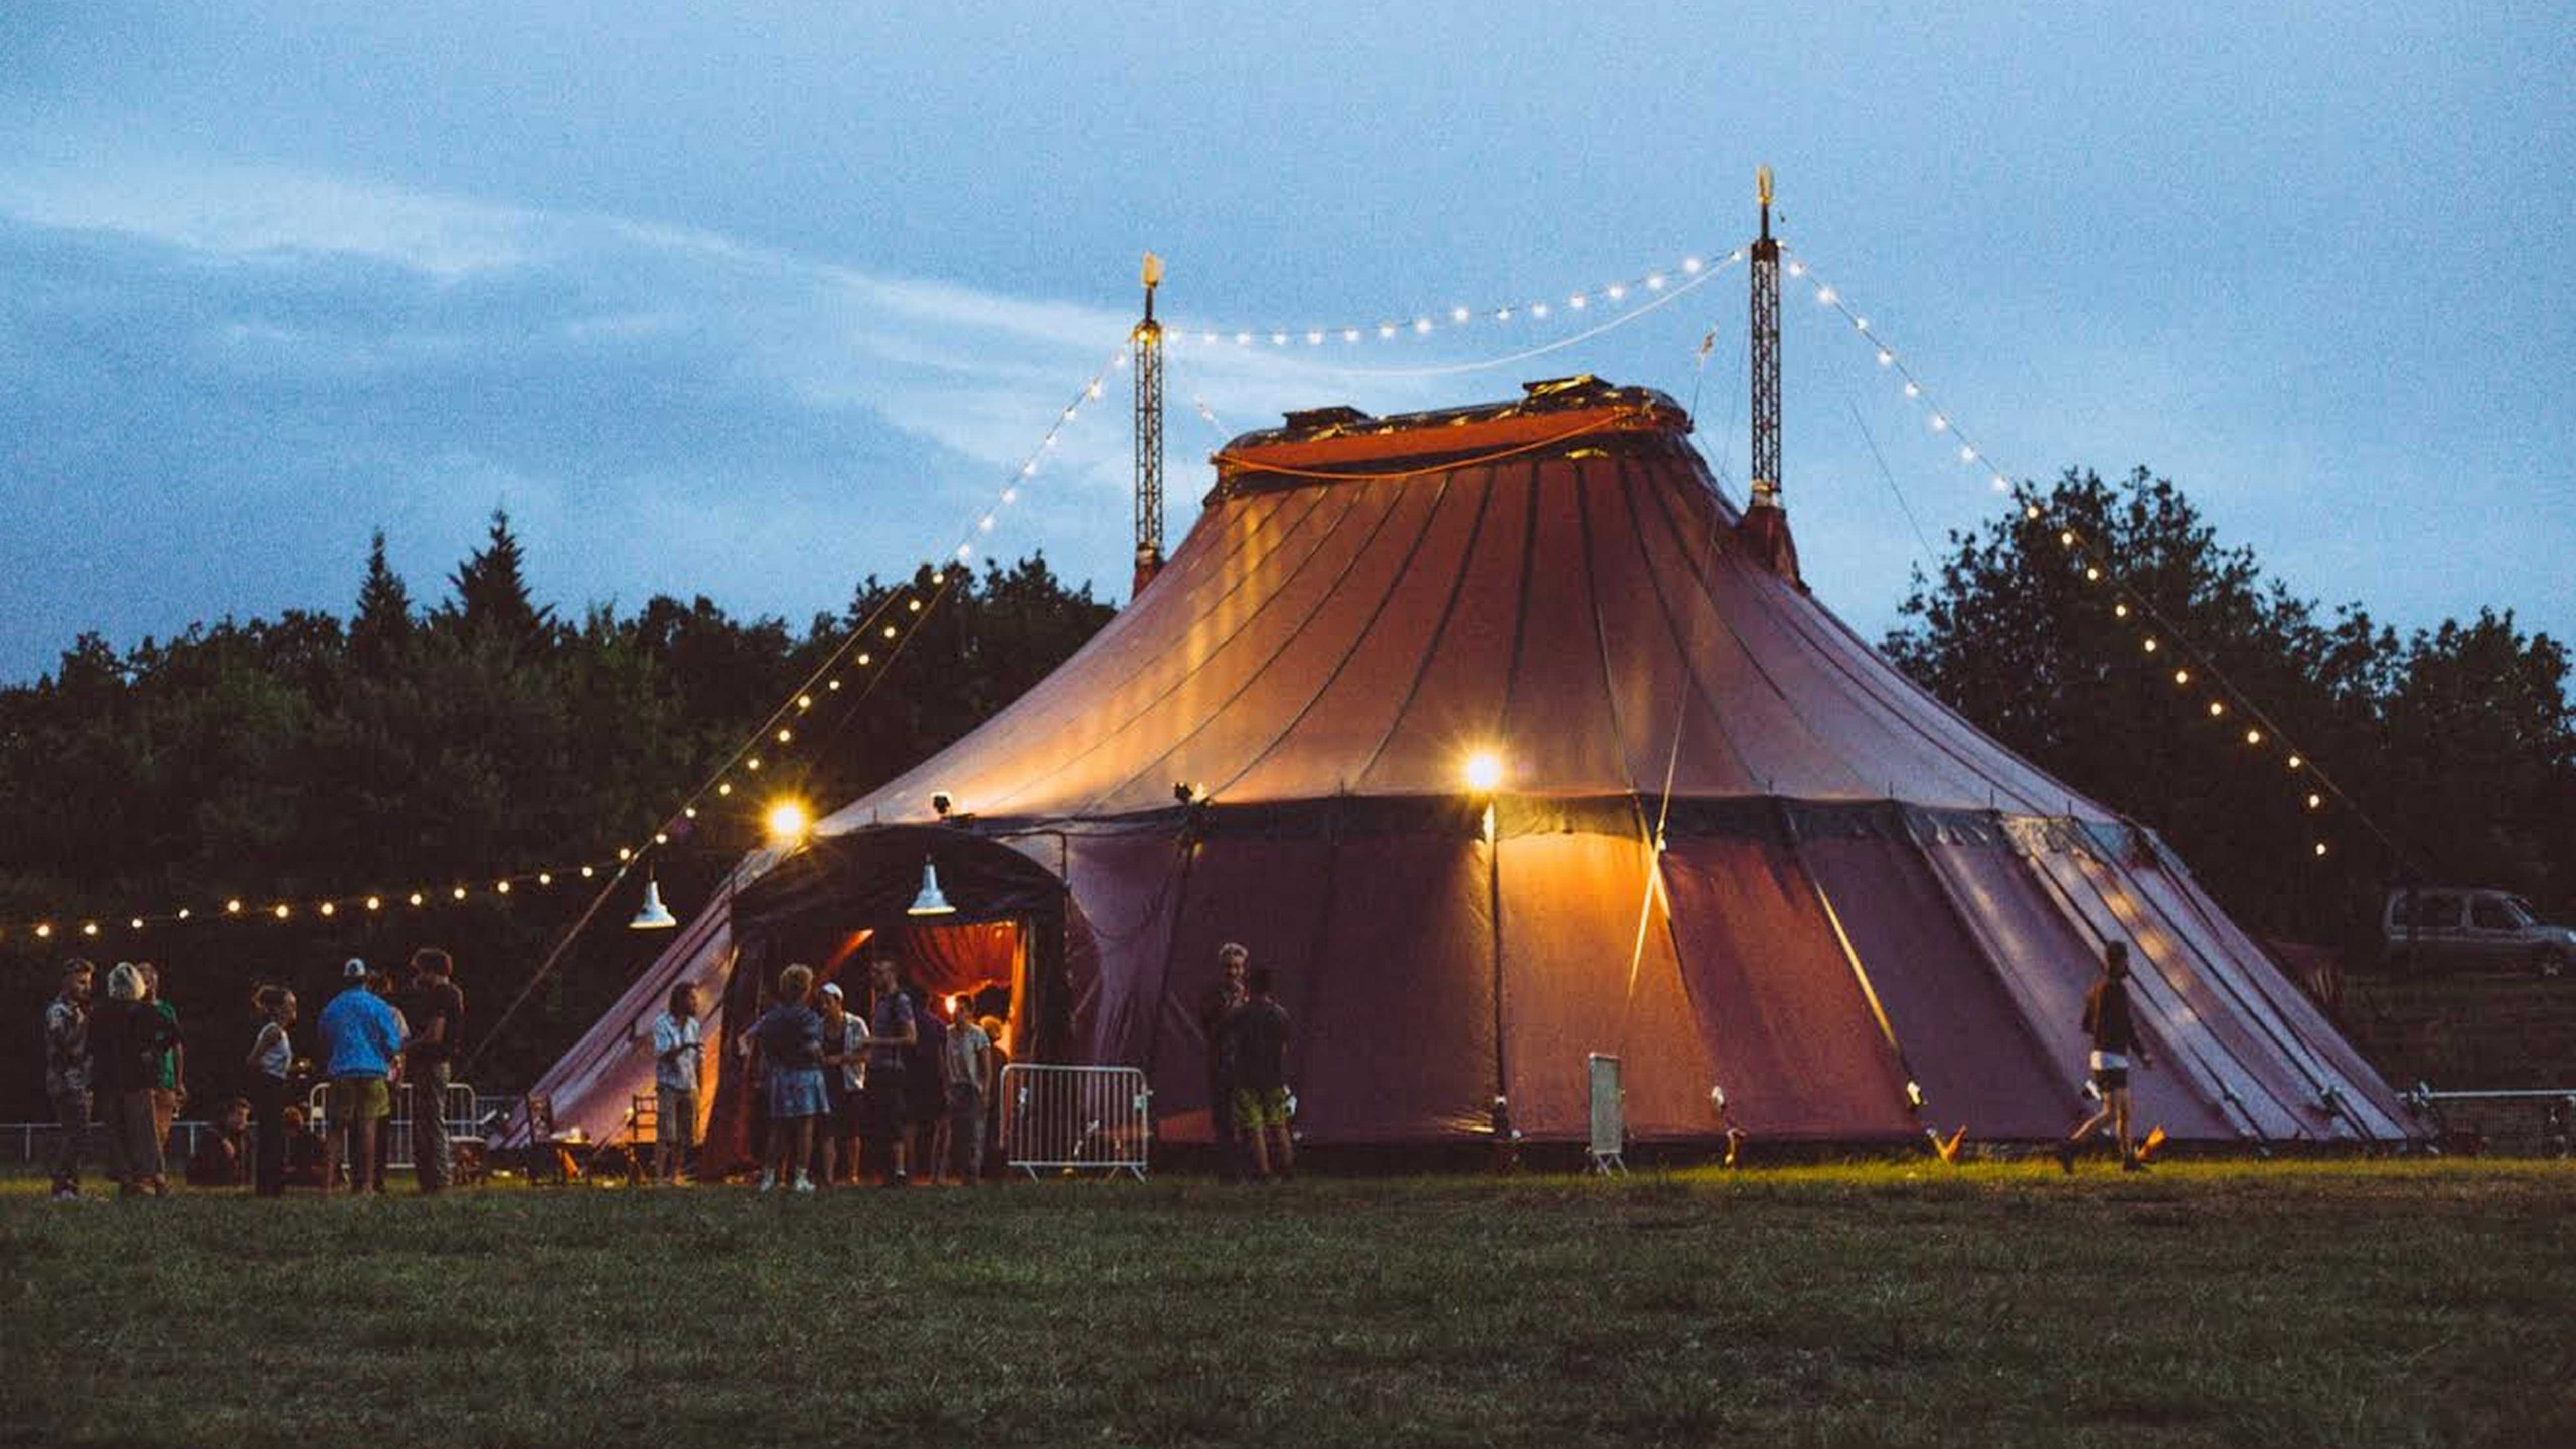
pixel 2458 741
pixel 293 759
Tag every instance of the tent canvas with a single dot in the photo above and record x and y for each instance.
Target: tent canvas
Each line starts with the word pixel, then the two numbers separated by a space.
pixel 1733 845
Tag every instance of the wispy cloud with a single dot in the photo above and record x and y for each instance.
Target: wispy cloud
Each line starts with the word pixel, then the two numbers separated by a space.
pixel 341 353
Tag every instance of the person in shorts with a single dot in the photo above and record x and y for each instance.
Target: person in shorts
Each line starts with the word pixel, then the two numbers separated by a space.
pixel 845 1041
pixel 893 1031
pixel 677 1048
pixel 1254 1038
pixel 360 1036
pixel 789 1037
pixel 2114 1034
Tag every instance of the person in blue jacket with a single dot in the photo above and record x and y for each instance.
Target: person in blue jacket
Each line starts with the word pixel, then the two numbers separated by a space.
pixel 360 1035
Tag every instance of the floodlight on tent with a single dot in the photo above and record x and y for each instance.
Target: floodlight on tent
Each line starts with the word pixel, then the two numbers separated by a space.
pixel 930 902
pixel 788 821
pixel 652 915
pixel 1484 772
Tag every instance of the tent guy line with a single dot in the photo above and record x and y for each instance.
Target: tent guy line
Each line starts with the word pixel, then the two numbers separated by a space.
pixel 2098 566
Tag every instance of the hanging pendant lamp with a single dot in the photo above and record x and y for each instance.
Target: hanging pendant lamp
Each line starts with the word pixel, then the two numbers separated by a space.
pixel 653 915
pixel 930 902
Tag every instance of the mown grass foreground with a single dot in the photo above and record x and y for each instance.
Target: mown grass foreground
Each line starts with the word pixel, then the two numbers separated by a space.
pixel 2347 1304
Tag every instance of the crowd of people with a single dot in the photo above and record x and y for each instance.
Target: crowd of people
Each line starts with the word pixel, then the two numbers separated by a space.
pixel 123 1061
pixel 837 1095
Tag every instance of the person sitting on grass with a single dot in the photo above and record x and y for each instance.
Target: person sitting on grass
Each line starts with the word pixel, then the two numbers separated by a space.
pixel 217 1162
pixel 2115 1042
pixel 790 1041
pixel 307 1157
pixel 1255 1040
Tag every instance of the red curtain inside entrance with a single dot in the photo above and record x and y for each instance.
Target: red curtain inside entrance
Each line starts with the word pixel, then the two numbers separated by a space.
pixel 961 959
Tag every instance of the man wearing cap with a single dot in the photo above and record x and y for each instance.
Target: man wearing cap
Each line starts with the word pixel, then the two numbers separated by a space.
pixel 845 1040
pixel 360 1035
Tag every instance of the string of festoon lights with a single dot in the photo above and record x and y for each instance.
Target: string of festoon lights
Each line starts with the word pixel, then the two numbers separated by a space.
pixel 2217 700
pixel 851 671
pixel 1632 293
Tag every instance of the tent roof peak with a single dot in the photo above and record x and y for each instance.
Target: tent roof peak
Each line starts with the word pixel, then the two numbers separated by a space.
pixel 1554 415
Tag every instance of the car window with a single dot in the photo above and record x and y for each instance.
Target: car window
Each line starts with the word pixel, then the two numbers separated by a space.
pixel 2434 910
pixel 2488 913
pixel 2522 910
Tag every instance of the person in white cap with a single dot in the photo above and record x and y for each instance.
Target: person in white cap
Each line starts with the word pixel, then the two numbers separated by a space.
pixel 359 1038
pixel 845 1043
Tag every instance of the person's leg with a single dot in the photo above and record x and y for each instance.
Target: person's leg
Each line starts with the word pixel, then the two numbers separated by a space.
pixel 165 1113
pixel 268 1121
pixel 429 1128
pixel 143 1144
pixel 966 1133
pixel 362 1149
pixel 1283 1151
pixel 1247 1121
pixel 1221 1129
pixel 804 1150
pixel 2119 1110
pixel 71 1120
pixel 942 1137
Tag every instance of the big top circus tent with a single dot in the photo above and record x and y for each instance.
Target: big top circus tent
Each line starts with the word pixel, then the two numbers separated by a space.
pixel 1505 738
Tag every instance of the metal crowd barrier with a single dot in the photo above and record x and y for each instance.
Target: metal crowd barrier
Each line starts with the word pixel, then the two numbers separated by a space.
pixel 1076 1119
pixel 464 1114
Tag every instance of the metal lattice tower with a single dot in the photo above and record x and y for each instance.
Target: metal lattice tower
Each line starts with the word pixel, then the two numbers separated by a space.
pixel 1147 346
pixel 1766 356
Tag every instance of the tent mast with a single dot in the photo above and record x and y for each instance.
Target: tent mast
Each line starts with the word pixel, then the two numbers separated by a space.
pixel 1766 355
pixel 1765 526
pixel 1148 350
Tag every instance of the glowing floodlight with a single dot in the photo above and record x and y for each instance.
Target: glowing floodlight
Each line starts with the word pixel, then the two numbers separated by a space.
pixel 788 820
pixel 1484 772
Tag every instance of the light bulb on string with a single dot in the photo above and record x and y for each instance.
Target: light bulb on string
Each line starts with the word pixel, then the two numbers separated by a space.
pixel 185 913
pixel 418 899
pixel 2253 737
pixel 587 872
pixel 375 903
pixel 2316 802
pixel 1912 390
pixel 2216 709
pixel 2182 677
pixel 458 893
pixel 2150 644
pixel 2296 762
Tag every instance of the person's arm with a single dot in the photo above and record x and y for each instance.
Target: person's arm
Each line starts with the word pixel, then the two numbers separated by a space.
pixel 259 1043
pixel 911 1029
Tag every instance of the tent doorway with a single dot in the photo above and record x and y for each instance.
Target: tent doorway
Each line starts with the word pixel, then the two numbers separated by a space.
pixel 978 967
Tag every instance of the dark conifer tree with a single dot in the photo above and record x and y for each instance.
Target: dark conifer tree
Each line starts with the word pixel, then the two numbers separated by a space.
pixel 381 628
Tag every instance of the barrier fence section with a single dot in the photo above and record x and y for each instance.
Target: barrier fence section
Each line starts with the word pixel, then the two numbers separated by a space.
pixel 1076 1119
pixel 34 1142
pixel 463 1111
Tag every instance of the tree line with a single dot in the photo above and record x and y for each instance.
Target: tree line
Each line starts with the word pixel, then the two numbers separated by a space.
pixel 475 736
pixel 2457 742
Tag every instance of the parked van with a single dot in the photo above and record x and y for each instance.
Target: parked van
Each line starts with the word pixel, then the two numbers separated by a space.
pixel 2467 928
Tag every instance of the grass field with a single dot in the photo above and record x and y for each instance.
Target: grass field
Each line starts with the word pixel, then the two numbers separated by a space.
pixel 2345 1304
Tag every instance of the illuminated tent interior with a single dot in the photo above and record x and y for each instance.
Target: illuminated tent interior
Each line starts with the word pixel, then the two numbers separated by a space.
pixel 1729 843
